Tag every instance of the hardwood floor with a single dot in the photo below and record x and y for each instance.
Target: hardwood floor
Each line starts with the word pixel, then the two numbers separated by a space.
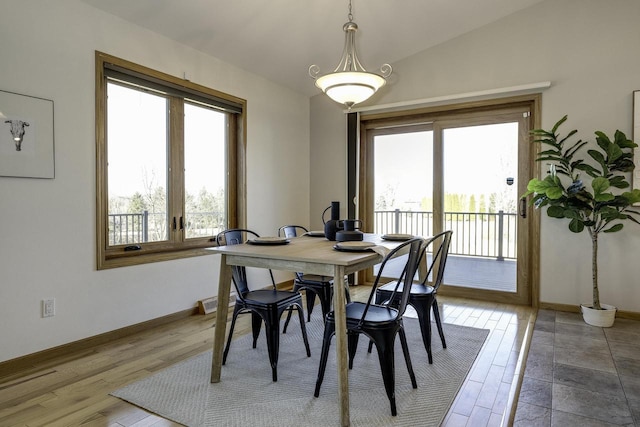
pixel 487 395
pixel 74 390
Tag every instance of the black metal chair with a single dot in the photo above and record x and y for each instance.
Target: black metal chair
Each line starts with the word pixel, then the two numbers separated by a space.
pixel 380 322
pixel 264 304
pixel 422 296
pixel 313 284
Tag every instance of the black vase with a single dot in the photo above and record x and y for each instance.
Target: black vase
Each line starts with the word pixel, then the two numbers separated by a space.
pixel 331 226
pixel 347 231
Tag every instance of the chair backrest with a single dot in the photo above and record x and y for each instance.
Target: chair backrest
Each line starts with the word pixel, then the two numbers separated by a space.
pixel 438 246
pixel 415 247
pixel 291 231
pixel 237 236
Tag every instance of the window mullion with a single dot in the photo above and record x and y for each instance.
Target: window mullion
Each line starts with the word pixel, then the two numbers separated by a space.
pixel 176 169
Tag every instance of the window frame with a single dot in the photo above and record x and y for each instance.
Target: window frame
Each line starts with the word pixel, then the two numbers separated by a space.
pixel 177 91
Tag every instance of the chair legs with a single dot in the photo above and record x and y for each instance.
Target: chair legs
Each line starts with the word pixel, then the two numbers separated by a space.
pixel 424 318
pixel 272 331
pixel 352 346
pixel 256 324
pixel 436 316
pixel 384 345
pixel 310 296
pixel 329 330
pixel 272 328
pixel 304 331
pixel 236 311
pixel 407 357
pixel 324 294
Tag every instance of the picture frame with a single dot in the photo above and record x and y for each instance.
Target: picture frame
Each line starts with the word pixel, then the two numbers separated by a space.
pixel 26 136
pixel 636 138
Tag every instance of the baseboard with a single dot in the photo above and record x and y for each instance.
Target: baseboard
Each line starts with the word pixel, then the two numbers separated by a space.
pixel 576 309
pixel 40 358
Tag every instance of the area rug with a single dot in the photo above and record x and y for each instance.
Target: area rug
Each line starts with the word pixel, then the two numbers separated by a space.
pixel 246 396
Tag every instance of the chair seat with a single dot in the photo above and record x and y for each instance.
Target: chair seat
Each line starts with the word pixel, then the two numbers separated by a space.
pixel 314 279
pixel 416 288
pixel 270 297
pixel 378 315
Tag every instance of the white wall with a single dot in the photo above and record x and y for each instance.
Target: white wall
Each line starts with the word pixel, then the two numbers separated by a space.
pixel 47 227
pixel 329 158
pixel 588 50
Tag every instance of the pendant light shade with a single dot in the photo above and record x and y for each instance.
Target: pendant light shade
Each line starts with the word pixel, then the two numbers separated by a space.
pixel 350 83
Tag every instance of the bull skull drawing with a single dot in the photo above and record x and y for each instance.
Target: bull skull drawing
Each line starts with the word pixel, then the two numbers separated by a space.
pixel 17 131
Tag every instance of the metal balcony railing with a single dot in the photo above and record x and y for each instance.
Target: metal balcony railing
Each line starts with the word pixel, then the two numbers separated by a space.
pixel 150 227
pixel 491 235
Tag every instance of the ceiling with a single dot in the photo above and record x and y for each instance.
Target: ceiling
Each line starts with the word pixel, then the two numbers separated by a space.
pixel 280 39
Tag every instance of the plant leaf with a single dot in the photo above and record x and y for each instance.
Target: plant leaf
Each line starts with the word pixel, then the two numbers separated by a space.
pixel 576 226
pixel 600 185
pixel 613 229
pixel 622 141
pixel 555 211
pixel 632 197
pixel 557 125
pixel 598 157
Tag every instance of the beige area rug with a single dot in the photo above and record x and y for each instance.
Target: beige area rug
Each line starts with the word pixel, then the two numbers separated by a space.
pixel 246 396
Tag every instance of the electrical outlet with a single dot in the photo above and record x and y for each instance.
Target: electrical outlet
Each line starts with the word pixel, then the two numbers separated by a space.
pixel 49 307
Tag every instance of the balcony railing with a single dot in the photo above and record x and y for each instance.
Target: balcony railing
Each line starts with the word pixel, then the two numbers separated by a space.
pixel 128 228
pixel 491 235
pixel 150 227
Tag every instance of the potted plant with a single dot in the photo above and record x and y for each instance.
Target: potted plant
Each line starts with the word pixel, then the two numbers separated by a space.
pixel 598 207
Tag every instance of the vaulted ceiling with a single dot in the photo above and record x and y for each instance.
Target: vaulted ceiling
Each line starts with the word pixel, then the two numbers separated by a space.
pixel 280 39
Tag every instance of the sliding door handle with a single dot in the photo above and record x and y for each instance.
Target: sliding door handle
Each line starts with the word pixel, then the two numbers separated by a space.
pixel 523 207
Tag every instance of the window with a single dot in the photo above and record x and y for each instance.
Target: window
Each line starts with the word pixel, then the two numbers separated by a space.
pixel 168 177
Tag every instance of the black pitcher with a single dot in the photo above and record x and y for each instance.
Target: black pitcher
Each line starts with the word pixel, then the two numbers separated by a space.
pixel 331 226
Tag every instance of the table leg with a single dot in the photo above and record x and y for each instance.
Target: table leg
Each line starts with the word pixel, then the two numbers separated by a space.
pixel 341 344
pixel 224 289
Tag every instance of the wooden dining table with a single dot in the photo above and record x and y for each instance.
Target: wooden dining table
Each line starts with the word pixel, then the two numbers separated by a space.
pixel 311 255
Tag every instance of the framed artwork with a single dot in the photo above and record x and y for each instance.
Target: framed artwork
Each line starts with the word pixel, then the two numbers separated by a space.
pixel 636 138
pixel 26 136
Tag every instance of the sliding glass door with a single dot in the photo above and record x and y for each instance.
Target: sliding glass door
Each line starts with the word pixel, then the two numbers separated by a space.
pixel 403 187
pixel 461 171
pixel 479 175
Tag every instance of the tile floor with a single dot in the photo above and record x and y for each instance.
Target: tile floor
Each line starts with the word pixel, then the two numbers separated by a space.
pixel 581 375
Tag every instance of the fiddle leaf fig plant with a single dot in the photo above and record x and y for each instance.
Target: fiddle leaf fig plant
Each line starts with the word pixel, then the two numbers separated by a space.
pixel 600 206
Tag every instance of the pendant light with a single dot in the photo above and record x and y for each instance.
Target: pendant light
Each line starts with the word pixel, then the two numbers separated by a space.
pixel 350 83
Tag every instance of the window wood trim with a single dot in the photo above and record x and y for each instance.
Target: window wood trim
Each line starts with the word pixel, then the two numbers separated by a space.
pixel 235 166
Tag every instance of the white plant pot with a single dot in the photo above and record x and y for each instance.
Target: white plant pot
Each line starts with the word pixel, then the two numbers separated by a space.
pixel 603 318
